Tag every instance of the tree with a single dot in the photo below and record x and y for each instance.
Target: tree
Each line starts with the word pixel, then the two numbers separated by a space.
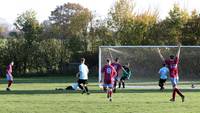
pixel 120 18
pixel 174 23
pixel 71 22
pixel 72 19
pixel 131 28
pixel 191 30
pixel 30 28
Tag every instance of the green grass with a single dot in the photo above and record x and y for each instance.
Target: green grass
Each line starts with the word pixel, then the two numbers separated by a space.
pixel 38 95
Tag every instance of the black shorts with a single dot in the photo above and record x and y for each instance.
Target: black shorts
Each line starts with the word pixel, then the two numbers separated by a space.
pixel 116 78
pixel 123 78
pixel 81 81
pixel 162 81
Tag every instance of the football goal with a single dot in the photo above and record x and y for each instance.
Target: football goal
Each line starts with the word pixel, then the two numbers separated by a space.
pixel 145 61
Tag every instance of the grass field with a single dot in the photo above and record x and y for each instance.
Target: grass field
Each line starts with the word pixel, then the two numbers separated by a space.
pixel 38 95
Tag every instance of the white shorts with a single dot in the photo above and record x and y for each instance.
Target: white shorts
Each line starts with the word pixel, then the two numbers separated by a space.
pixel 174 81
pixel 108 85
pixel 9 77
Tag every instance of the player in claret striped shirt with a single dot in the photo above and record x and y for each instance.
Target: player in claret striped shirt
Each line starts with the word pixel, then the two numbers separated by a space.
pixel 108 75
pixel 172 64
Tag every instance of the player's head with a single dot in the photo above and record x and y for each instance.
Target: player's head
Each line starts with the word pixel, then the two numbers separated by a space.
pixel 127 64
pixel 12 63
pixel 171 57
pixel 116 59
pixel 82 60
pixel 108 61
pixel 163 64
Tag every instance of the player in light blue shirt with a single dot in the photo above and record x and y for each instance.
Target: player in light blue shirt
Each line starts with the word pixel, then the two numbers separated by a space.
pixel 164 71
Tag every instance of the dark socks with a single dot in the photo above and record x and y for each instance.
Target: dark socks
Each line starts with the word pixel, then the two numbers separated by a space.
pixel 86 88
pixel 123 84
pixel 179 92
pixel 9 83
pixel 80 86
pixel 174 94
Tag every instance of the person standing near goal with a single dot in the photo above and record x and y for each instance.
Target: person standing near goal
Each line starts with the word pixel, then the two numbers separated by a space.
pixel 83 77
pixel 126 73
pixel 108 75
pixel 9 75
pixel 172 64
pixel 118 68
pixel 163 76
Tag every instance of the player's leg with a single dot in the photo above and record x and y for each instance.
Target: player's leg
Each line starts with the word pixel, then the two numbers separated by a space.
pixel 178 91
pixel 80 86
pixel 123 81
pixel 120 82
pixel 85 86
pixel 161 84
pixel 110 92
pixel 69 88
pixel 9 85
pixel 10 81
pixel 115 84
pixel 105 88
pixel 173 81
pixel 164 83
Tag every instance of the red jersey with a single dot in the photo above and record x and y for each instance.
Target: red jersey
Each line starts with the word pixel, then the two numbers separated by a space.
pixel 173 67
pixel 109 74
pixel 117 67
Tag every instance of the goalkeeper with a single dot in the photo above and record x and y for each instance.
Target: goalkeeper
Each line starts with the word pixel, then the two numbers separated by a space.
pixel 126 73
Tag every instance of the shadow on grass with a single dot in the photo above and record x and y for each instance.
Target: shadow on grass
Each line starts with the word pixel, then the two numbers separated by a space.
pixel 33 92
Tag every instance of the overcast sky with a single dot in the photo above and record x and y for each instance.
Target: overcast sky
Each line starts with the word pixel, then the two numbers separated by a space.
pixel 10 9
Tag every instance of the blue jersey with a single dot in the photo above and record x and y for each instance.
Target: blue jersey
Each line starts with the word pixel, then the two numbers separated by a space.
pixel 163 72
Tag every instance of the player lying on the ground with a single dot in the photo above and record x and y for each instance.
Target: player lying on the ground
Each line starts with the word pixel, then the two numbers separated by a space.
pixel 172 64
pixel 107 77
pixel 73 86
pixel 126 73
pixel 163 72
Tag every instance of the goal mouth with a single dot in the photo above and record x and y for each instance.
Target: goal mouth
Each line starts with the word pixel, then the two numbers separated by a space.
pixel 145 61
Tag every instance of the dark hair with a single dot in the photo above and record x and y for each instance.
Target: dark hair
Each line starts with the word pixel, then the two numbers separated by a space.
pixel 82 59
pixel 116 59
pixel 107 60
pixel 171 56
pixel 164 64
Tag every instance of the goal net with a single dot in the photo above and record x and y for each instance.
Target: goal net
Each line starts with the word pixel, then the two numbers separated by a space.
pixel 145 61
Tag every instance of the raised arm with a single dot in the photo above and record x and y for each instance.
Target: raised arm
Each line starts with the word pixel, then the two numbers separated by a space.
pixel 161 56
pixel 111 57
pixel 179 50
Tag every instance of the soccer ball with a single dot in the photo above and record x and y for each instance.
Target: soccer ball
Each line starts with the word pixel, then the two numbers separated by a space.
pixel 101 86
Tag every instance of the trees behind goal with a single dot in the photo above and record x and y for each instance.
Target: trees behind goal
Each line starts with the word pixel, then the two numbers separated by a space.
pixel 145 61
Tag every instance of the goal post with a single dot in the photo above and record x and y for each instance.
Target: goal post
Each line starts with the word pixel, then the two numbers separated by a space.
pixel 145 61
